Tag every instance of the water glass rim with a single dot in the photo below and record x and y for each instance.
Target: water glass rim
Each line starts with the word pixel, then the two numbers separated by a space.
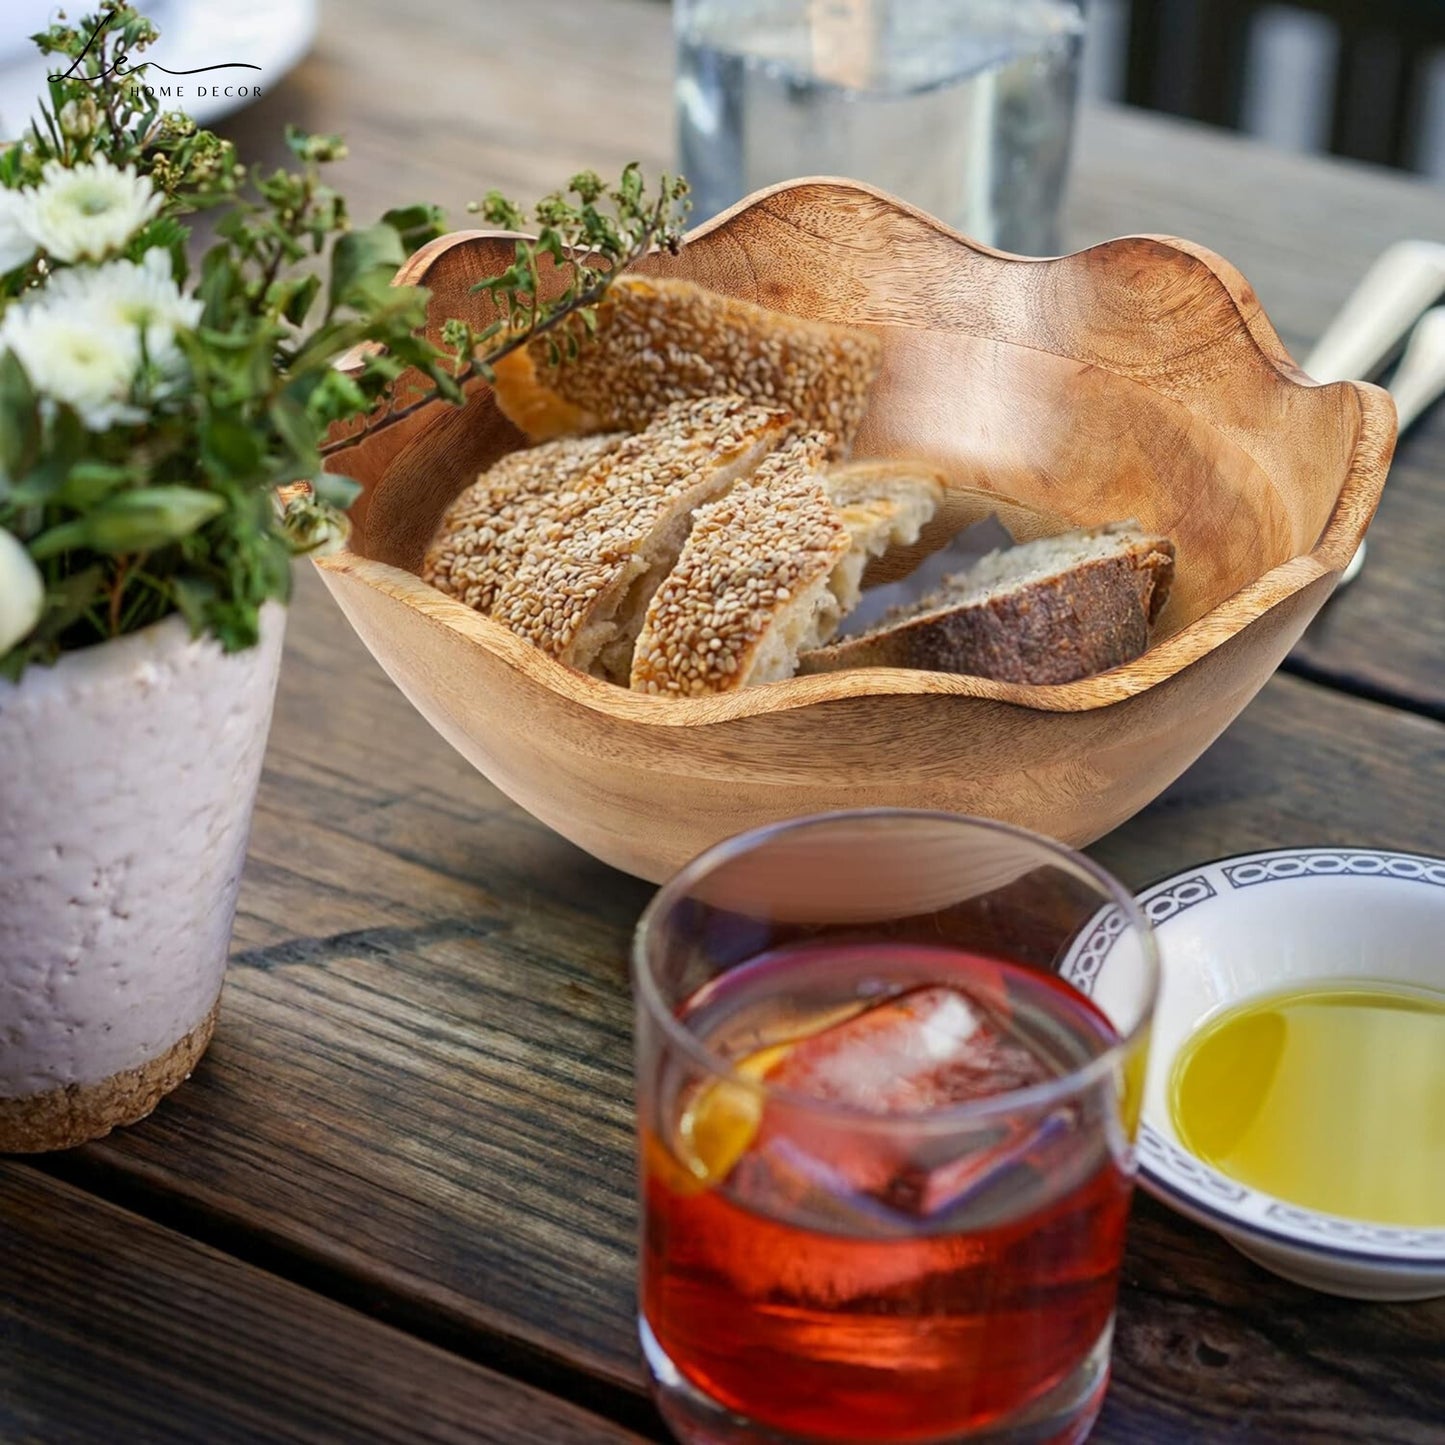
pixel 1032 1097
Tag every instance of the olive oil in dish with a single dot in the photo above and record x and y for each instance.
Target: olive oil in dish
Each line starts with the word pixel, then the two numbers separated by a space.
pixel 1330 1096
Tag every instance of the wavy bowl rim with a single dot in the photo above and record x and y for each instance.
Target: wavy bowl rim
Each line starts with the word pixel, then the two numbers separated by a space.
pixel 1349 518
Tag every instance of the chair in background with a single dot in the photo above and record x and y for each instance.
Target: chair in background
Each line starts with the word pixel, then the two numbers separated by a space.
pixel 1189 57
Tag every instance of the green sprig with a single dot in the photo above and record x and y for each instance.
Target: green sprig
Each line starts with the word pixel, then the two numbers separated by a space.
pixel 179 512
pixel 586 236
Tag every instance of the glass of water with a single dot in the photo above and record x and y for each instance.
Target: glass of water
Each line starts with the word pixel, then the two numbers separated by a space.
pixel 963 107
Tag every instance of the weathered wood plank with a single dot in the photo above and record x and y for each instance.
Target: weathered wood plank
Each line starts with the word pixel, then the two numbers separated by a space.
pixel 117 1329
pixel 419 1095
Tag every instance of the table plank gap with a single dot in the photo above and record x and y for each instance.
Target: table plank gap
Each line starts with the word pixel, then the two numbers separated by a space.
pixel 419 1098
pixel 1318 666
pixel 118 1327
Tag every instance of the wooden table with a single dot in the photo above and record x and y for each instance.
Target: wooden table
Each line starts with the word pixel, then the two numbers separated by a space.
pixel 396 1201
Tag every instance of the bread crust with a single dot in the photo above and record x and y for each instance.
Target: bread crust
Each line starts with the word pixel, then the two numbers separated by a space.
pixel 591 567
pixel 660 341
pixel 751 585
pixel 1076 623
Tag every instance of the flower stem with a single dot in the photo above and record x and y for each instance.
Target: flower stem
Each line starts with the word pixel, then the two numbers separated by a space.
pixel 117 593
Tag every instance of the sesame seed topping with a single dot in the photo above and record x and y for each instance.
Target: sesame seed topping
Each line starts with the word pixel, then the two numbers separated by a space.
pixel 753 555
pixel 487 530
pixel 660 341
pixel 691 451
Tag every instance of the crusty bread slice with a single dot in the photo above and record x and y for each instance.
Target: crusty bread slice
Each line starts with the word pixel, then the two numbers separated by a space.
pixel 1048 611
pixel 591 567
pixel 661 341
pixel 884 505
pixel 752 584
pixel 486 531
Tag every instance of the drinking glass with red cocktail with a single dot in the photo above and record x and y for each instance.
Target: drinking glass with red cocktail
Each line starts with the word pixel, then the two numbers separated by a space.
pixel 886 1110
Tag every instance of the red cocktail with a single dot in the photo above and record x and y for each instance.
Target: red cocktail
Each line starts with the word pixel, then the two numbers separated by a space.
pixel 886 1165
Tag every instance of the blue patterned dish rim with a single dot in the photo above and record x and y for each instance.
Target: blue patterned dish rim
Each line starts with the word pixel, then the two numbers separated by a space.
pixel 1174 1175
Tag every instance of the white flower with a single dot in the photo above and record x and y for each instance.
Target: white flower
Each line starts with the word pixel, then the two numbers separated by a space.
pixel 78 118
pixel 71 358
pixel 16 244
pixel 22 592
pixel 140 297
pixel 84 336
pixel 89 211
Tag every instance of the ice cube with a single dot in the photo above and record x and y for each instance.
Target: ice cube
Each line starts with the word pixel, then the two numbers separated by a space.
pixel 925 1049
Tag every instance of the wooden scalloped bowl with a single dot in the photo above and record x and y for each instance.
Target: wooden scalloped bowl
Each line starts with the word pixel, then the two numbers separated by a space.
pixel 1138 378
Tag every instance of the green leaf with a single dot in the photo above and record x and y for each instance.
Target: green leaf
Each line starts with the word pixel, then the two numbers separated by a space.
pixel 629 188
pixel 19 418
pixel 295 428
pixel 374 296
pixel 497 210
pixel 587 186
pixel 66 600
pixel 550 243
pixel 358 254
pixel 193 596
pixel 291 296
pixel 315 148
pixel 64 448
pixel 230 448
pixel 335 397
pixel 335 490
pixel 448 387
pixel 222 347
pixel 88 483
pixel 137 521
pixel 235 623
pixel 162 232
pixel 416 224
pixel 12 160
pixel 219 281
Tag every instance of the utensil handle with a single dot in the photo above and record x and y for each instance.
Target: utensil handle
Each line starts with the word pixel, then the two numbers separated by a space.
pixel 1418 383
pixel 1419 380
pixel 1405 280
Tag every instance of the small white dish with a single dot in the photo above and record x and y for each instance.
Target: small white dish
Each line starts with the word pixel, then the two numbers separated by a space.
pixel 1254 924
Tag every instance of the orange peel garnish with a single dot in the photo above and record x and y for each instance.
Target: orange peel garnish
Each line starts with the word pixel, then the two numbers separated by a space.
pixel 721 1121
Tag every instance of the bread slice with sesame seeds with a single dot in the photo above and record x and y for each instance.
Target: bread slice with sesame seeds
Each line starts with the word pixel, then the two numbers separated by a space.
pixel 662 341
pixel 581 590
pixel 752 584
pixel 486 531
pixel 1048 611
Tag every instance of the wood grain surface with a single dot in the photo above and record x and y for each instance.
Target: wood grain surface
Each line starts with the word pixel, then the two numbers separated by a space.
pixel 1137 379
pixel 418 1101
pixel 469 98
pixel 117 1329
pixel 419 1096
pixel 1303 232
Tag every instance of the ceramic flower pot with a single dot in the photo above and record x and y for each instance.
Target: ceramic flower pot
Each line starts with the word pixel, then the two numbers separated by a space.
pixel 128 773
